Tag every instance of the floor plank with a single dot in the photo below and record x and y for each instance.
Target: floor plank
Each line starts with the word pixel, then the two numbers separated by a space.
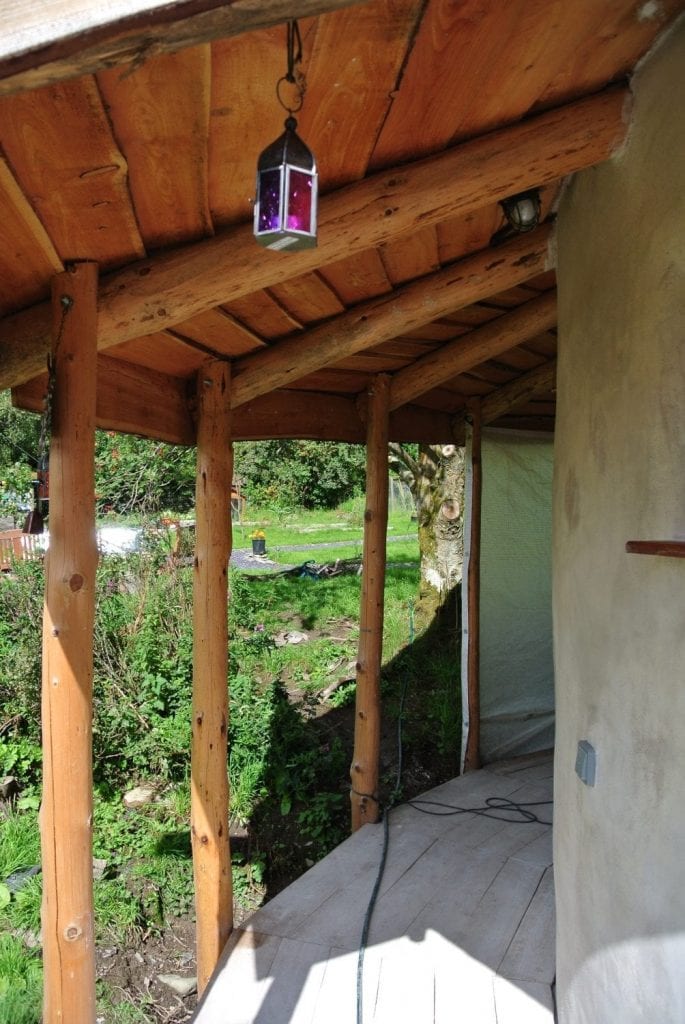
pixel 465 918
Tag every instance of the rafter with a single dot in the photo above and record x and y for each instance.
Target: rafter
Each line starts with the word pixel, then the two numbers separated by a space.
pixel 174 286
pixel 371 323
pixel 128 400
pixel 510 396
pixel 465 352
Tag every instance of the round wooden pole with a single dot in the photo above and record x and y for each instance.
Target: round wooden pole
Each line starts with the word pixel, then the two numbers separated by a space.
pixel 209 792
pixel 364 771
pixel 67 806
pixel 472 753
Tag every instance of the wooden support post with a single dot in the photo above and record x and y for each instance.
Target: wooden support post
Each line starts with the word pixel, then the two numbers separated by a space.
pixel 472 754
pixel 67 807
pixel 209 790
pixel 364 771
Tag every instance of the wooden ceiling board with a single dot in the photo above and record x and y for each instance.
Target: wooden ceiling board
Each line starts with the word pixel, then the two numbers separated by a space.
pixel 493 373
pixel 372 362
pixel 160 118
pixel 358 277
pixel 244 117
pixel 479 64
pixel 469 386
pixel 75 179
pixel 475 315
pixel 536 39
pixel 220 332
pixel 262 314
pixel 307 299
pixel 405 348
pixel 346 382
pixel 518 359
pixel 157 350
pixel 437 331
pixel 411 256
pixel 609 41
pixel 356 59
pixel 544 345
pixel 27 256
pixel 459 236
pixel 511 298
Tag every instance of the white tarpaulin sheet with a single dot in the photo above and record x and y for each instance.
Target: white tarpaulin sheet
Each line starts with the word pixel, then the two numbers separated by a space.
pixel 516 667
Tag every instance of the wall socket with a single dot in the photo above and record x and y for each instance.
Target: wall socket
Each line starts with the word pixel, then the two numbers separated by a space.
pixel 586 763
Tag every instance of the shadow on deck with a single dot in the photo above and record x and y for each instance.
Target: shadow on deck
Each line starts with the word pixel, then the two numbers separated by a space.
pixel 464 922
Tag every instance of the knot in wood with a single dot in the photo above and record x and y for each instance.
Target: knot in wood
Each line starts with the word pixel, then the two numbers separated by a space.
pixel 72 932
pixel 76 581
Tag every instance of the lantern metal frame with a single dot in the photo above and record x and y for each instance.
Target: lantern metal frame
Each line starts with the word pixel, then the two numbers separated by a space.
pixel 512 209
pixel 287 155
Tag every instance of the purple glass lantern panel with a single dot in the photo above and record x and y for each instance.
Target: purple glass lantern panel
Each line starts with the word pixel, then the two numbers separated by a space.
pixel 299 201
pixel 270 200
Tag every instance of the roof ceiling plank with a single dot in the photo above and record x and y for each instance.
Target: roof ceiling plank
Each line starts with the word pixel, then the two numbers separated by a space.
pixel 27 256
pixel 501 59
pixel 236 140
pixel 360 277
pixel 412 255
pixel 608 41
pixel 160 118
pixel 61 168
pixel 176 285
pixel 163 349
pixel 356 60
pixel 217 330
pixel 480 344
pixel 307 299
pixel 382 319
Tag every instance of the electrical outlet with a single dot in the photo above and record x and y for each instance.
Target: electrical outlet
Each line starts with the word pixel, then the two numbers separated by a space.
pixel 586 763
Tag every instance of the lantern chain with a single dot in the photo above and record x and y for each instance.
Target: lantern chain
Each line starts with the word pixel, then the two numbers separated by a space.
pixel 293 74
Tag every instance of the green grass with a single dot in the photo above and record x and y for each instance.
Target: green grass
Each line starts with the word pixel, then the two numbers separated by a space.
pixel 21 977
pixel 316 527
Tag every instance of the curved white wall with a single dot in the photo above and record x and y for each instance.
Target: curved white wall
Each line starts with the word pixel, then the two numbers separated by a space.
pixel 619 619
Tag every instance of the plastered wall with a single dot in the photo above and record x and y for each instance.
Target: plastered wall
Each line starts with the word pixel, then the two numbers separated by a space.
pixel 619 619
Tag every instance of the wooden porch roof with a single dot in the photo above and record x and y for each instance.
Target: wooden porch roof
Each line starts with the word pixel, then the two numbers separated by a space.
pixel 422 116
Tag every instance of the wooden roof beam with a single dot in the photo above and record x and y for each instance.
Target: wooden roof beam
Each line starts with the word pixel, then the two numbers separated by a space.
pixel 128 402
pixel 519 391
pixel 465 352
pixel 59 39
pixel 173 286
pixel 378 320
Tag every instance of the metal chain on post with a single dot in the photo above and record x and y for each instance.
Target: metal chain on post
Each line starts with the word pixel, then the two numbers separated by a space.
pixel 34 520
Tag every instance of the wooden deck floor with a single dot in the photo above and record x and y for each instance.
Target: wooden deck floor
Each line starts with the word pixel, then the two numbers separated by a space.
pixel 463 929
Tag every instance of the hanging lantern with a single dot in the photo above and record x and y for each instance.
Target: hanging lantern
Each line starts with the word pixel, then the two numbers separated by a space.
pixel 287 180
pixel 285 210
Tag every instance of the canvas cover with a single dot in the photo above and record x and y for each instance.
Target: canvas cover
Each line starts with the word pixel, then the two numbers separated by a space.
pixel 516 666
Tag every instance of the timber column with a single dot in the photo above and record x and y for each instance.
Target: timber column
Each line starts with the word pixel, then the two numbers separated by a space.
pixel 367 729
pixel 209 785
pixel 472 751
pixel 67 806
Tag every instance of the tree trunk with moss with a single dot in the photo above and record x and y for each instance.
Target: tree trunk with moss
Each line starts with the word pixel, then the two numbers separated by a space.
pixel 435 477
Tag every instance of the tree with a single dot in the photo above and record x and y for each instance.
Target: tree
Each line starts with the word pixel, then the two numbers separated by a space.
pixel 300 474
pixel 435 475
